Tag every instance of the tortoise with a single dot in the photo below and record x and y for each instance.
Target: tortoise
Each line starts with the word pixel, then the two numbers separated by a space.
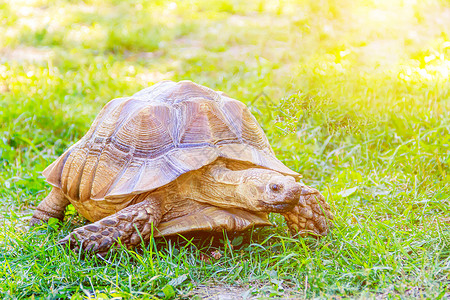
pixel 172 159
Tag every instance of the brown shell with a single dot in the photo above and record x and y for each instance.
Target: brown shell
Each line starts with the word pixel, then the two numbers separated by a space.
pixel 145 141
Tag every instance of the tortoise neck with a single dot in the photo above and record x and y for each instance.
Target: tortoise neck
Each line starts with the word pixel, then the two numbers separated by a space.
pixel 219 173
pixel 215 185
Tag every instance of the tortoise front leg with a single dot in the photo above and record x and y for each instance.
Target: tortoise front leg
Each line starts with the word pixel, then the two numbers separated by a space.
pixel 128 225
pixel 53 206
pixel 311 215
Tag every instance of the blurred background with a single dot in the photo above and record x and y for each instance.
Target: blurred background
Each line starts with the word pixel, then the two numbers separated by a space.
pixel 277 47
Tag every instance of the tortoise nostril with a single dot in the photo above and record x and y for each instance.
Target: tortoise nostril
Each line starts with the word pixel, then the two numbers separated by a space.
pixel 296 189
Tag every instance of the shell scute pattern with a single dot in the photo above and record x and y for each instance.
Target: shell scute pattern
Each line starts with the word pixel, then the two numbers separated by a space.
pixel 143 142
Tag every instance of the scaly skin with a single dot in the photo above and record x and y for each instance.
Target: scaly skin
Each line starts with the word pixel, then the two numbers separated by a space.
pixel 53 206
pixel 128 225
pixel 311 216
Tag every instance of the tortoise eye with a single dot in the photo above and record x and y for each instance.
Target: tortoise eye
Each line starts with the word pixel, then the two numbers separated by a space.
pixel 276 187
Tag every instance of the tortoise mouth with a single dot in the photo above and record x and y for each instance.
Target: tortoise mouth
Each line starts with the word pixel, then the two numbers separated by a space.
pixel 287 203
pixel 278 207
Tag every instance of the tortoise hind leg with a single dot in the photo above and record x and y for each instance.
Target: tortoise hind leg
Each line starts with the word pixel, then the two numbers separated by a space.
pixel 129 225
pixel 53 206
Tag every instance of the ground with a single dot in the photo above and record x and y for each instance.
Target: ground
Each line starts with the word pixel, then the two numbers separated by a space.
pixel 354 96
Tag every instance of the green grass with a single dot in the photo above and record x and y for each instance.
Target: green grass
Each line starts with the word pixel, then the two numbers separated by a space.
pixel 355 97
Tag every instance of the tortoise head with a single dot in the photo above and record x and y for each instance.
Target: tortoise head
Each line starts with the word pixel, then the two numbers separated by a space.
pixel 267 190
pixel 249 188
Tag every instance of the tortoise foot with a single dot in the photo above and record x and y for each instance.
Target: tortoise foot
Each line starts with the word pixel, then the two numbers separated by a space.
pixel 131 225
pixel 36 221
pixel 94 237
pixel 311 216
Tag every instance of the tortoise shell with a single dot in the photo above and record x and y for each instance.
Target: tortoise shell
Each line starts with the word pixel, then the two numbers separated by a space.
pixel 143 142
